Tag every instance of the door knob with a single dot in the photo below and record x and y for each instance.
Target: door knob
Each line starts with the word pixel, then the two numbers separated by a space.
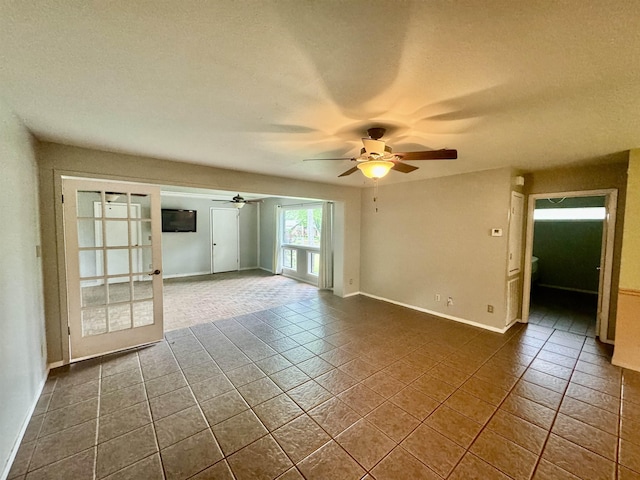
pixel 155 272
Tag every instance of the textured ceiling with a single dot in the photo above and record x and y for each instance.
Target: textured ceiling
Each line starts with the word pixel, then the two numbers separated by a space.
pixel 260 85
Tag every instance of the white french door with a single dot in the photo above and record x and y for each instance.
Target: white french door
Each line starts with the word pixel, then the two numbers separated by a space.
pixel 114 260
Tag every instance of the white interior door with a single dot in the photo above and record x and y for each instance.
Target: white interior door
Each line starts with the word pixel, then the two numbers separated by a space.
pixel 224 240
pixel 114 260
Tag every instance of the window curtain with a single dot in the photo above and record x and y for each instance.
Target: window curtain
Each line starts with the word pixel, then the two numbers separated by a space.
pixel 325 275
pixel 277 244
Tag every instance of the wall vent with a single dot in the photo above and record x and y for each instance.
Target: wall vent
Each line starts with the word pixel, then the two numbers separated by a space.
pixel 513 300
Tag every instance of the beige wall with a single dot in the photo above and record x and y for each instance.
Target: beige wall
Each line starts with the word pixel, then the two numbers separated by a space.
pixel 22 338
pixel 627 349
pixel 56 160
pixel 433 236
pixel 590 178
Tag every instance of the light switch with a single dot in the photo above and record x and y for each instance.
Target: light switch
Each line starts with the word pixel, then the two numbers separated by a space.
pixel 496 232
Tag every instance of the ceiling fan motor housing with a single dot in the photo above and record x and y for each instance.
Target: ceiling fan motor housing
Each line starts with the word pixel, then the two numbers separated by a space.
pixel 376 133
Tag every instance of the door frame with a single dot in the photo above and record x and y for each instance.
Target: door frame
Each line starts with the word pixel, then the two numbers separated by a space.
pixel 211 212
pixel 66 260
pixel 606 256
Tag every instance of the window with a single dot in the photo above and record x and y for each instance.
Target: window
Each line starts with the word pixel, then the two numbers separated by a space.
pixel 586 213
pixel 301 226
pixel 289 258
pixel 314 263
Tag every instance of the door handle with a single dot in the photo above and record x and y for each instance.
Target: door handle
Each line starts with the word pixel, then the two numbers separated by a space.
pixel 598 268
pixel 155 272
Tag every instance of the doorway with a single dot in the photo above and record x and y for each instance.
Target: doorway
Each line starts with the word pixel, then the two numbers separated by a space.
pixel 568 261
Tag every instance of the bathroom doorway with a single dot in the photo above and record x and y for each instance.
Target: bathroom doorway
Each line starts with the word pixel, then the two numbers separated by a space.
pixel 568 275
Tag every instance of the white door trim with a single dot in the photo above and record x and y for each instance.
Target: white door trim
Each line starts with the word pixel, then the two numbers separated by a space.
pixel 604 295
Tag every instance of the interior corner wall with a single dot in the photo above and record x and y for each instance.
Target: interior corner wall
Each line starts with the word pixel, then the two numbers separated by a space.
pixel 55 160
pixel 594 177
pixel 434 237
pixel 23 366
pixel 627 349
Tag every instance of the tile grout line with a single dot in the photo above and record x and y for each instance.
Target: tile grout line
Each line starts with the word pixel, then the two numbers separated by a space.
pixel 95 459
pixel 153 425
pixel 557 412
pixel 197 402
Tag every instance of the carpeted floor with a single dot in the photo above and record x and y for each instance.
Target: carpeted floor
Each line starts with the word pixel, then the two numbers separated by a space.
pixel 193 300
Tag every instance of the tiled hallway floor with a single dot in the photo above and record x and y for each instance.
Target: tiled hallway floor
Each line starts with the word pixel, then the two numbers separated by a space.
pixel 341 389
pixel 564 310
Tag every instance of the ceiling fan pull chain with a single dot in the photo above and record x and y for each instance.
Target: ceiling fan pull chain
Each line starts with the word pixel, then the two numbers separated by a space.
pixel 375 194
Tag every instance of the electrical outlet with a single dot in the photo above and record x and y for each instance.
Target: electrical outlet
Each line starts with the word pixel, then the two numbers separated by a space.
pixel 450 302
pixel 351 281
pixel 490 308
pixel 437 297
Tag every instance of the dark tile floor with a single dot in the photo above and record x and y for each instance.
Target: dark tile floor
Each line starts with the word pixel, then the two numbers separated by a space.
pixel 564 310
pixel 341 389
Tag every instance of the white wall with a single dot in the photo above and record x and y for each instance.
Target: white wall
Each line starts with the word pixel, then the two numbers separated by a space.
pixel 433 237
pixel 189 253
pixel 22 338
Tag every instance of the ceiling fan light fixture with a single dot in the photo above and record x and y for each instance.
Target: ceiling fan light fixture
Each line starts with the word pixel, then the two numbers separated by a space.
pixel 375 168
pixel 238 205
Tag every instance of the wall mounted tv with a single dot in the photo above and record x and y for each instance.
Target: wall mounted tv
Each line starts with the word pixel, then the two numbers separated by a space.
pixel 178 220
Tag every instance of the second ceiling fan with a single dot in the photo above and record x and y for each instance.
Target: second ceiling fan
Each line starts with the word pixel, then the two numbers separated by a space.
pixel 376 158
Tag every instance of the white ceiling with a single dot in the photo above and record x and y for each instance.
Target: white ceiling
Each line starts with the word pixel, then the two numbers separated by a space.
pixel 260 85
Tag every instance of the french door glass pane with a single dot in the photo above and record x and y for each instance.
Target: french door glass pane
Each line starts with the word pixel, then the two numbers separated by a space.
pixel 89 233
pixel 118 261
pixel 143 313
pixel 119 317
pixel 94 321
pixel 91 263
pixel 116 204
pixel 140 232
pixel 141 260
pixel 93 293
pixel 117 233
pixel 89 204
pixel 142 290
pixel 140 206
pixel 119 290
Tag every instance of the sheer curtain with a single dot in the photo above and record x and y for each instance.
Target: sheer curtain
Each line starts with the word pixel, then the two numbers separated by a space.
pixel 277 244
pixel 325 275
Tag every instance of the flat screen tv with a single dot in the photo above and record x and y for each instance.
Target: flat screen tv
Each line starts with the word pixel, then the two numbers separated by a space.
pixel 178 220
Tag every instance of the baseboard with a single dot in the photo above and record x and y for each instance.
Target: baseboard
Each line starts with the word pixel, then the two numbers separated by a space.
pixel 14 451
pixel 352 294
pixel 57 364
pixel 267 270
pixel 568 289
pixel 180 275
pixel 251 268
pixel 441 315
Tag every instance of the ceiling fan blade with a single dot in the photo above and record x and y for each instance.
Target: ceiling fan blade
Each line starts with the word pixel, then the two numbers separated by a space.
pixel 323 159
pixel 429 155
pixel 403 167
pixel 349 172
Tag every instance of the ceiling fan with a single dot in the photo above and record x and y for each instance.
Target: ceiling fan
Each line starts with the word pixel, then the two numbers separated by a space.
pixel 238 201
pixel 376 158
